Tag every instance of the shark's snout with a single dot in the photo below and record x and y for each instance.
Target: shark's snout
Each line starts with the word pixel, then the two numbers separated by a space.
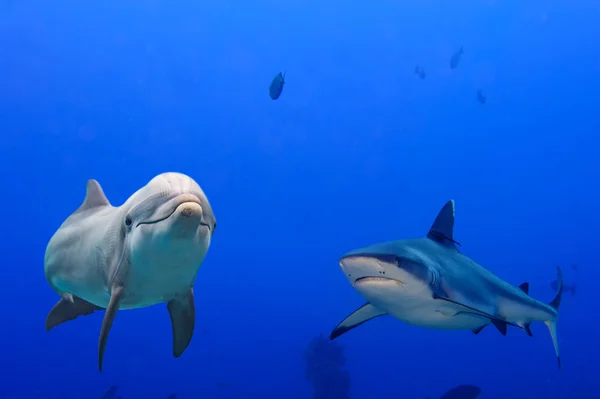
pixel 362 268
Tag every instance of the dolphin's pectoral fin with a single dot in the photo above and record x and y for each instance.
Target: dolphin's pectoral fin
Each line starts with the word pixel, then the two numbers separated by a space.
pixel 478 329
pixel 361 315
pixel 183 317
pixel 498 322
pixel 68 308
pixel 111 311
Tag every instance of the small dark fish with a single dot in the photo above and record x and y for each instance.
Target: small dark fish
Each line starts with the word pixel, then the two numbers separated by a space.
pixel 111 393
pixel 566 287
pixel 455 59
pixel 420 71
pixel 277 86
pixel 462 392
pixel 480 96
pixel 172 396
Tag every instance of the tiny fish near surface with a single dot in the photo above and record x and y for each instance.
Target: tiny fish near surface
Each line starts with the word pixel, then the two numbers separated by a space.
pixel 276 86
pixel 455 59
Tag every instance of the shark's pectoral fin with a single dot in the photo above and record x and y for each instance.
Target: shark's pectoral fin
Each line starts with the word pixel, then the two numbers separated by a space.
pixel 498 322
pixel 111 311
pixel 68 308
pixel 183 317
pixel 361 315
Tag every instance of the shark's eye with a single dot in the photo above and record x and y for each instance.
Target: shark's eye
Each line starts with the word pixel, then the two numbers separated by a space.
pixel 128 222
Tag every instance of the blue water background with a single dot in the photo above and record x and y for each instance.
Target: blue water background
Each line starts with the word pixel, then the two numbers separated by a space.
pixel 357 150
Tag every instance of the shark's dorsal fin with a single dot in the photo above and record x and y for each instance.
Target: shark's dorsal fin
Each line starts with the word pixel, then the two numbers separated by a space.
pixel 442 230
pixel 94 197
pixel 525 287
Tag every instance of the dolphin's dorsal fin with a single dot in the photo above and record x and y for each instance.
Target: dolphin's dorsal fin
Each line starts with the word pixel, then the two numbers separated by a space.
pixel 442 230
pixel 94 197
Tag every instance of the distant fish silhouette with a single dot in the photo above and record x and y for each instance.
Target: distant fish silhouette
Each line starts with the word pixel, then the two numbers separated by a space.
pixel 277 86
pixel 111 393
pixel 420 72
pixel 481 97
pixel 172 396
pixel 575 266
pixel 566 287
pixel 455 59
pixel 462 392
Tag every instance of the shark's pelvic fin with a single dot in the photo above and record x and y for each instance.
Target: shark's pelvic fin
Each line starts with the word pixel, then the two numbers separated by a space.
pixel 478 329
pixel 555 304
pixel 500 325
pixel 442 230
pixel 68 308
pixel 525 288
pixel 94 197
pixel 183 318
pixel 361 315
pixel 109 317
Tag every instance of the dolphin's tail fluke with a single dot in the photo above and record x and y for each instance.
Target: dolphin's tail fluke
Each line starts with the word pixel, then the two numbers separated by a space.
pixel 555 304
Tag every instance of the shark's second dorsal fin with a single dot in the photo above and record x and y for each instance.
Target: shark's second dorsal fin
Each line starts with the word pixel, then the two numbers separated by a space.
pixel 525 287
pixel 94 197
pixel 442 230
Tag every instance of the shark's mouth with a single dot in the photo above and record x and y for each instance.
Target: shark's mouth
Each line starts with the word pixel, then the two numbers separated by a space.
pixel 170 207
pixel 375 279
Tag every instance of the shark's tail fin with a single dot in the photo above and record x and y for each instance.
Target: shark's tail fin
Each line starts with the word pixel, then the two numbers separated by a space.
pixel 555 304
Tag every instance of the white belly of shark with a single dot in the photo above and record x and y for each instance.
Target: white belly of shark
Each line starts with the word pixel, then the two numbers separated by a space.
pixel 416 309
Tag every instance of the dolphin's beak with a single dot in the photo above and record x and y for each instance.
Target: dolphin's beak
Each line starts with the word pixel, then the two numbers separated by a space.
pixel 170 207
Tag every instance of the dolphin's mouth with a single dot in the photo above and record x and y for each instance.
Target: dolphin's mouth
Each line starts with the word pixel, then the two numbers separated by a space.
pixel 170 207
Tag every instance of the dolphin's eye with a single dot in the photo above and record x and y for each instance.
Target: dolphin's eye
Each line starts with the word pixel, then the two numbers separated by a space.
pixel 128 222
pixel 214 227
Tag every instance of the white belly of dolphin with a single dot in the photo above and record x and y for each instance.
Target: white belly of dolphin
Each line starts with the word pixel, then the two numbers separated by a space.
pixel 416 307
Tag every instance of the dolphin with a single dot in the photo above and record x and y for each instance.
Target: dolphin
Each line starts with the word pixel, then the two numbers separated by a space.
pixel 429 283
pixel 144 252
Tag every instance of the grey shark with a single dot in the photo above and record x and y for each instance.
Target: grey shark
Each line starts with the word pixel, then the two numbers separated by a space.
pixel 144 252
pixel 428 282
